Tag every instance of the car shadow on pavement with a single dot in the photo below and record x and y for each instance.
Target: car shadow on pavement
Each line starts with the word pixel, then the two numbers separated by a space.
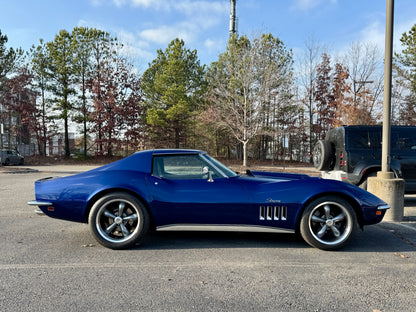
pixel 373 239
pixel 210 239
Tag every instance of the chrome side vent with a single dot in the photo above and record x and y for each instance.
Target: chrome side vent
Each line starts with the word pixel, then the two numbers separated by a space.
pixel 269 212
pixel 283 213
pixel 275 213
pixel 262 212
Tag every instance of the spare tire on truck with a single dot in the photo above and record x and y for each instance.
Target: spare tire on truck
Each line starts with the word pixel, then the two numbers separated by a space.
pixel 324 155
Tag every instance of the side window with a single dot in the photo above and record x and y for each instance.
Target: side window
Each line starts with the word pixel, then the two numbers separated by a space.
pixel 364 139
pixel 359 139
pixel 403 140
pixel 375 139
pixel 182 167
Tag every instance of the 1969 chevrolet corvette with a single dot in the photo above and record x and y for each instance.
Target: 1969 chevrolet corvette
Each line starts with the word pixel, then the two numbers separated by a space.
pixel 188 189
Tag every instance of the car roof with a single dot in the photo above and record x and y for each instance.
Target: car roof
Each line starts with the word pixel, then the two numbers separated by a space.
pixel 142 161
pixel 175 151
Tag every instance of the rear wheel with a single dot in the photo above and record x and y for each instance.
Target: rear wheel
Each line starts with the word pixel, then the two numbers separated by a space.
pixel 119 221
pixel 323 155
pixel 328 223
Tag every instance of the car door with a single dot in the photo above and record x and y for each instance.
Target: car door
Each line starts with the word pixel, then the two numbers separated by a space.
pixel 183 191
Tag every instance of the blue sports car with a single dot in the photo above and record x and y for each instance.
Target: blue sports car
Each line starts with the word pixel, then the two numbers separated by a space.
pixel 188 189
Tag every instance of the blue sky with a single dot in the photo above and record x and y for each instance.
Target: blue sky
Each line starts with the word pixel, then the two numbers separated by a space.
pixel 147 25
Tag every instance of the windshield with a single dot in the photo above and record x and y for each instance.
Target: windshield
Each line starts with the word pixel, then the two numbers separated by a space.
pixel 229 173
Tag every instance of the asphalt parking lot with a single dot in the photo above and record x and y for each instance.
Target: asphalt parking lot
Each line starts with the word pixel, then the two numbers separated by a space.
pixel 54 265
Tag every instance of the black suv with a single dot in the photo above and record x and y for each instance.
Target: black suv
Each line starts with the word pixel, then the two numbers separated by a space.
pixel 353 153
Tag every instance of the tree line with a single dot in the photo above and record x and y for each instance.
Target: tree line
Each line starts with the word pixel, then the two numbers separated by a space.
pixel 255 101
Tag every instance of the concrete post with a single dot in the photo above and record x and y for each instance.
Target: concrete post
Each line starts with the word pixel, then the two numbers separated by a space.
pixel 391 190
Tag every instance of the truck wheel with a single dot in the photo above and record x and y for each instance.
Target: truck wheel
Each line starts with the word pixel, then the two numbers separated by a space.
pixel 324 155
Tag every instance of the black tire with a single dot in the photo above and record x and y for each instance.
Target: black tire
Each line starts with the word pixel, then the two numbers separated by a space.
pixel 328 223
pixel 6 162
pixel 323 155
pixel 119 221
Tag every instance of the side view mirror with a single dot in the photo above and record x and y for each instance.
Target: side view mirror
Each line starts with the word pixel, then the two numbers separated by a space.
pixel 205 170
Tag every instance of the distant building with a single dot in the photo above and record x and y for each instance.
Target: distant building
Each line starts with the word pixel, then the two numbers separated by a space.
pixel 14 134
pixel 55 146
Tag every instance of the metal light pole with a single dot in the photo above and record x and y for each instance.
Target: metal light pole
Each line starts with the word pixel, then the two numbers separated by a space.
pixel 385 160
pixel 385 185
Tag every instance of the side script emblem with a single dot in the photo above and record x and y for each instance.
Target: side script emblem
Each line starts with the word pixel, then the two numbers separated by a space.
pixel 271 200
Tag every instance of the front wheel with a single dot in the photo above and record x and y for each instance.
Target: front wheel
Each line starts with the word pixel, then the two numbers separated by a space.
pixel 328 222
pixel 118 221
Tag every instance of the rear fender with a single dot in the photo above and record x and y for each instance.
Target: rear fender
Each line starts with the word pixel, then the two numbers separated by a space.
pixel 102 193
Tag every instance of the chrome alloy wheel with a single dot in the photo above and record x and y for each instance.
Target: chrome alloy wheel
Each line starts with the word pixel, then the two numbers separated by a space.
pixel 330 223
pixel 117 220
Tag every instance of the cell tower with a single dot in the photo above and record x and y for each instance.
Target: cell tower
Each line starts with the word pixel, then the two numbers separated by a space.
pixel 233 18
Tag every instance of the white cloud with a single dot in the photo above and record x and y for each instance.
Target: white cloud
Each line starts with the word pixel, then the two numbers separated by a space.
pixel 200 7
pixel 146 3
pixel 398 32
pixel 305 5
pixel 165 34
pixel 119 3
pixel 193 17
pixel 209 43
pixel 136 52
pixel 190 20
pixel 95 2
pixel 186 7
pixel 375 33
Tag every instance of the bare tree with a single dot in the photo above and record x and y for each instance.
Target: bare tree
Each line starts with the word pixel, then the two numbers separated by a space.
pixel 307 78
pixel 244 80
pixel 364 62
